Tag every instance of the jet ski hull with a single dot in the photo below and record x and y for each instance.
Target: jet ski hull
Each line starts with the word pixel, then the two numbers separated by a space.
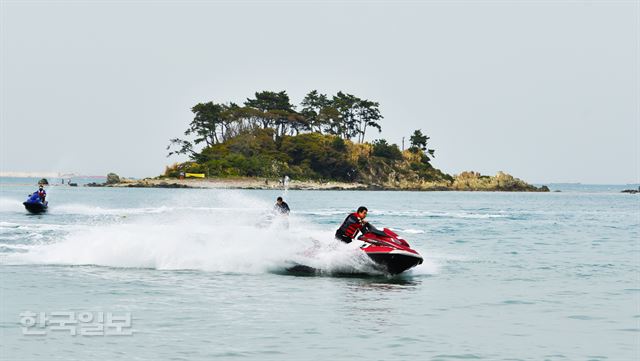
pixel 35 207
pixel 395 262
pixel 392 253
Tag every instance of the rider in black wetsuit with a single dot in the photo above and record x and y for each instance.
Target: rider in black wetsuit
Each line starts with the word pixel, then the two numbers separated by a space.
pixel 281 207
pixel 352 224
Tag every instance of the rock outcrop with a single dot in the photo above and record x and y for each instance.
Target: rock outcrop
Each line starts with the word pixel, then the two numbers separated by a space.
pixel 474 181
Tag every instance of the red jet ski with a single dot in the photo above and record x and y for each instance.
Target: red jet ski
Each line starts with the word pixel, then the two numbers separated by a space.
pixel 389 253
pixel 388 250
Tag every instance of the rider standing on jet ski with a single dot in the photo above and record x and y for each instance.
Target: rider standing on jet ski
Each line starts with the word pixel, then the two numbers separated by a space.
pixel 352 224
pixel 42 193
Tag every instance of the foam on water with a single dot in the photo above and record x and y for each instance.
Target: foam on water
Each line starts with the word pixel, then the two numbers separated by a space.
pixel 11 205
pixel 94 210
pixel 428 267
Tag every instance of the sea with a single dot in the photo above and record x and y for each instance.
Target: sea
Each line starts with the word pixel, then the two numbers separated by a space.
pixel 201 274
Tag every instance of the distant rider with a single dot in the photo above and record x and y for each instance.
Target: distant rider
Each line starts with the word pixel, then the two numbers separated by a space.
pixel 281 207
pixel 352 224
pixel 42 193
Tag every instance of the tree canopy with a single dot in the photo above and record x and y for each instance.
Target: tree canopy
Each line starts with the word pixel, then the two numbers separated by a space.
pixel 268 136
pixel 419 144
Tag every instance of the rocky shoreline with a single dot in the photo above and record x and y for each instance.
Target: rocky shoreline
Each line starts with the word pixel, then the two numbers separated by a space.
pixel 466 181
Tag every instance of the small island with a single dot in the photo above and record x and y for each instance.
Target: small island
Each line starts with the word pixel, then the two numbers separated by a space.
pixel 321 146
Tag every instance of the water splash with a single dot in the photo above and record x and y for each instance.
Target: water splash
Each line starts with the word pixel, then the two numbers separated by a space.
pixel 11 204
pixel 237 233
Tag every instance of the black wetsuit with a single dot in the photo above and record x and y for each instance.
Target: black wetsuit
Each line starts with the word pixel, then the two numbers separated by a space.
pixel 282 208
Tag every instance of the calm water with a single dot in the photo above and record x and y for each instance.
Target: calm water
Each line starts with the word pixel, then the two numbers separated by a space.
pixel 507 276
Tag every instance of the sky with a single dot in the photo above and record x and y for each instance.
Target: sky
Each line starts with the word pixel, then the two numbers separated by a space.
pixel 547 91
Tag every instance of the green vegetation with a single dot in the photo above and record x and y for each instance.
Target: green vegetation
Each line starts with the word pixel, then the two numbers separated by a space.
pixel 324 141
pixel 268 137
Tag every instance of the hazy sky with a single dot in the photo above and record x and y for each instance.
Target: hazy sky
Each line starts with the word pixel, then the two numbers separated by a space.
pixel 547 91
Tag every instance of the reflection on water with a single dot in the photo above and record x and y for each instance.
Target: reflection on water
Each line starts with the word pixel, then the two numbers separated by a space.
pixel 379 302
pixel 384 284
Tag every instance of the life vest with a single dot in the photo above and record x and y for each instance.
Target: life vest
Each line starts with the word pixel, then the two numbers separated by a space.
pixel 351 225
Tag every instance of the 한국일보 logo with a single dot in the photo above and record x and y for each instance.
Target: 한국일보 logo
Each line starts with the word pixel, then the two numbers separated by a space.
pixel 76 323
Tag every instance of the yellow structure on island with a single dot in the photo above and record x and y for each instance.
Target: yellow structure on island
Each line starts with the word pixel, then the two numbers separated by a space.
pixel 194 175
